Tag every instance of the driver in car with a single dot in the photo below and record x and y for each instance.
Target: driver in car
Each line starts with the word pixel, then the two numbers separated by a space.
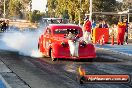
pixel 73 43
pixel 72 34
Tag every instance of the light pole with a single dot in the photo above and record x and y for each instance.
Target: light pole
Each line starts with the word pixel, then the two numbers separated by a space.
pixel 4 10
pixel 80 13
pixel 30 6
pixel 128 14
pixel 90 9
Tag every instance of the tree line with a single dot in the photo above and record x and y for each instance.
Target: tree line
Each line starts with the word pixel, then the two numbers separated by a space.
pixel 71 9
pixel 68 9
pixel 20 9
pixel 14 8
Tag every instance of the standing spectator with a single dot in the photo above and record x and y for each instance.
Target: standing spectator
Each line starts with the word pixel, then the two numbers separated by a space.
pixel 113 30
pixel 103 24
pixel 3 26
pixel 93 24
pixel 73 43
pixel 87 30
pixel 7 24
pixel 121 32
pixel 126 32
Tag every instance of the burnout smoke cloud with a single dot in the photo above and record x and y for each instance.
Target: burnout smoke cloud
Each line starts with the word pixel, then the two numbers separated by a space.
pixel 26 43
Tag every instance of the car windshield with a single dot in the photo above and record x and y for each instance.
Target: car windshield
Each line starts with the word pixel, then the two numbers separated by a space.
pixel 55 21
pixel 66 31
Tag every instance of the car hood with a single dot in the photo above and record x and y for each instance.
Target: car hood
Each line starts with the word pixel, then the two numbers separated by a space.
pixel 61 39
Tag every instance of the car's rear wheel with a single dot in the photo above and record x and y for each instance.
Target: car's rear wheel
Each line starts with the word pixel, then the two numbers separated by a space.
pixel 40 50
pixel 51 56
pixel 38 47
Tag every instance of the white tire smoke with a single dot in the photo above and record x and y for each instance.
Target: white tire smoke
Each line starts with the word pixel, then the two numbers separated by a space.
pixel 26 43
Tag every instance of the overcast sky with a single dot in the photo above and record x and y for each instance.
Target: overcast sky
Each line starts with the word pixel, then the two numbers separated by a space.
pixel 119 0
pixel 39 5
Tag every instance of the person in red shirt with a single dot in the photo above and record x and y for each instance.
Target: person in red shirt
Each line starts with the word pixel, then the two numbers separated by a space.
pixel 121 32
pixel 87 30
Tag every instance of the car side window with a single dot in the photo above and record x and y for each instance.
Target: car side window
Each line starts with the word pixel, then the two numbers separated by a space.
pixel 48 31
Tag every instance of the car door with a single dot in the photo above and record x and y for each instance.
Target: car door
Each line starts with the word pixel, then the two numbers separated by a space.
pixel 47 40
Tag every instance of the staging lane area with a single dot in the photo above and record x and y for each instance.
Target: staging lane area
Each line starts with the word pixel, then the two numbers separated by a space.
pixel 38 73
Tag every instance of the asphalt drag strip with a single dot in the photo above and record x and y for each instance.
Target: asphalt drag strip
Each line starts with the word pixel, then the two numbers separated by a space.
pixel 43 73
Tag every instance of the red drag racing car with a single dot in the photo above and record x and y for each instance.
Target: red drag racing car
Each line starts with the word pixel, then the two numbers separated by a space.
pixel 65 41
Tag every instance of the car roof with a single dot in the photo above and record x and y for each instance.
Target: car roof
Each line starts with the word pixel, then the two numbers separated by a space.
pixel 55 20
pixel 54 26
pixel 52 18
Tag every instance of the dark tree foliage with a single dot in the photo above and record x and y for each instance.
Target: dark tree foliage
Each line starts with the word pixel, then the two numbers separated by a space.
pixel 36 16
pixel 2 7
pixel 68 9
pixel 72 8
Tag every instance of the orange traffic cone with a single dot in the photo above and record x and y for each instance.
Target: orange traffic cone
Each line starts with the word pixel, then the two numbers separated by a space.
pixel 112 40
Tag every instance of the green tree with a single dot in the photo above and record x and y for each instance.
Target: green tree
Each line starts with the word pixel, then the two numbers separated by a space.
pixel 2 7
pixel 103 6
pixel 52 4
pixel 126 4
pixel 36 16
pixel 25 11
pixel 15 7
pixel 71 8
pixel 18 8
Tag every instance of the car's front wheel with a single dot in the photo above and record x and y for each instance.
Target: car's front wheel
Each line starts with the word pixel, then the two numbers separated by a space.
pixel 51 56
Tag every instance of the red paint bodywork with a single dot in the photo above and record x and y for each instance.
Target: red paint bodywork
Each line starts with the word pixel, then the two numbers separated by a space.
pixel 98 34
pixel 48 41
